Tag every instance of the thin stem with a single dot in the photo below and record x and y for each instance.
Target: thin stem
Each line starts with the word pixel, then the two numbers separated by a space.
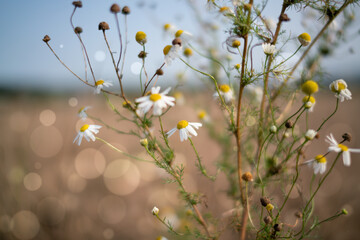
pixel 336 108
pixel 125 48
pixel 199 165
pixel 120 40
pixel 151 79
pixel 167 225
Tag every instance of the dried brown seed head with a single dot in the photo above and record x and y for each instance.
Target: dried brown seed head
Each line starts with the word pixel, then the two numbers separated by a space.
pixel 267 219
pixel 284 17
pixel 176 41
pixel 78 30
pixel 247 177
pixel 104 26
pixel 346 137
pixel 317 136
pixel 264 201
pixel 115 8
pixel 288 124
pixel 159 72
pixel 278 227
pixel 77 4
pixel 126 10
pixel 142 54
pixel 46 38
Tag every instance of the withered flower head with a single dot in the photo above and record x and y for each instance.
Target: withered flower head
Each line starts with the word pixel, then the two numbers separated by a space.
pixel 159 72
pixel 142 54
pixel 115 8
pixel 284 17
pixel 247 177
pixel 126 10
pixel 104 26
pixel 267 219
pixel 77 4
pixel 78 30
pixel 46 38
pixel 288 124
pixel 346 137
pixel 176 41
pixel 264 201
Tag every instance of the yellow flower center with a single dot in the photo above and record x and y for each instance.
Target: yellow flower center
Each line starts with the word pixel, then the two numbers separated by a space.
pixel 100 82
pixel 167 49
pixel 84 128
pixel 237 66
pixel 308 99
pixel 224 9
pixel 155 97
pixel 340 86
pixel 202 114
pixel 269 207
pixel 224 88
pixel 310 87
pixel 320 159
pixel 343 148
pixel 178 33
pixel 167 26
pixel 140 37
pixel 182 124
pixel 305 36
pixel 188 52
pixel 236 43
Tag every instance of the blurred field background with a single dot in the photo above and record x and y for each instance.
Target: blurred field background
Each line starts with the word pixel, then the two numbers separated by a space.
pixel 54 189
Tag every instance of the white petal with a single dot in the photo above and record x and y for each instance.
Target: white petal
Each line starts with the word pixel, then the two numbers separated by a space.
pixel 322 167
pixel 166 91
pixel 142 99
pixel 191 130
pixel 354 150
pixel 346 158
pixel 171 132
pixel 195 124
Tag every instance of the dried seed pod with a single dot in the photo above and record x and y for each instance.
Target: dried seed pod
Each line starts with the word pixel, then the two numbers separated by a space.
pixel 142 54
pixel 264 201
pixel 284 17
pixel 126 10
pixel 247 177
pixel 115 8
pixel 289 124
pixel 159 72
pixel 104 26
pixel 267 219
pixel 78 30
pixel 176 41
pixel 46 38
pixel 346 137
pixel 278 227
pixel 77 4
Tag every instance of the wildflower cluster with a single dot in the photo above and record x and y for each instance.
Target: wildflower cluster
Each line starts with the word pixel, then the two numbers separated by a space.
pixel 264 139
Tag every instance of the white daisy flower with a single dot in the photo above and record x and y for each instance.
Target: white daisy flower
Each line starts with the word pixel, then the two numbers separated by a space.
pixel 82 112
pixel 155 211
pixel 310 134
pixel 318 163
pixel 203 116
pixel 226 93
pixel 339 87
pixel 185 129
pixel 169 28
pixel 88 132
pixel 338 147
pixel 309 102
pixel 268 48
pixel 156 100
pixel 100 84
pixel 171 52
pixel 183 35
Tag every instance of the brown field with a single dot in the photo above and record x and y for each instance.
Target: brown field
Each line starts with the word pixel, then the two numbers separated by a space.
pixel 54 189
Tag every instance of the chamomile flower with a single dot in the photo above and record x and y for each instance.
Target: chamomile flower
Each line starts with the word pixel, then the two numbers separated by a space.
pixel 186 129
pixel 269 49
pixel 339 87
pixel 156 100
pixel 309 87
pixel 338 147
pixel 170 53
pixel 140 37
pixel 188 52
pixel 310 134
pixel 203 116
pixel 100 84
pixel 318 163
pixel 169 28
pixel 225 92
pixel 183 35
pixel 88 132
pixel 309 103
pixel 179 97
pixel 304 39
pixel 82 112
pixel 155 211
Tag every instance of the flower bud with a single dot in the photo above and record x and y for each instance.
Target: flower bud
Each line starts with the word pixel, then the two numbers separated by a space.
pixel 140 37
pixel 46 38
pixel 188 52
pixel 346 137
pixel 104 26
pixel 310 134
pixel 126 10
pixel 176 41
pixel 310 87
pixel 344 211
pixel 236 44
pixel 264 201
pixel 155 211
pixel 273 129
pixel 304 39
pixel 269 207
pixel 159 72
pixel 144 142
pixel 78 30
pixel 247 177
pixel 115 8
pixel 77 4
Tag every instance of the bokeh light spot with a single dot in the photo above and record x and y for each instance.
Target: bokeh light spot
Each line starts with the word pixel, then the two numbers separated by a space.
pixel 100 56
pixel 73 102
pixel 32 181
pixel 25 225
pixel 47 117
pixel 135 68
pixel 90 163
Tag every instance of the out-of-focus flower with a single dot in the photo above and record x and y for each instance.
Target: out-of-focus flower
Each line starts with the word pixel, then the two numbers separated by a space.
pixel 179 97
pixel 169 28
pixel 268 48
pixel 156 100
pixel 309 87
pixel 226 10
pixel 183 35
pixel 309 102
pixel 170 53
pixel 310 134
pixel 203 116
pixel 88 132
pixel 140 37
pixel 155 211
pixel 226 93
pixel 273 129
pixel 186 129
pixel 188 52
pixel 304 39
pixel 318 163
pixel 100 84
pixel 339 87
pixel 82 112
pixel 338 147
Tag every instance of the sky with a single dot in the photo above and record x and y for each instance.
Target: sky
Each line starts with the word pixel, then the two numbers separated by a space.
pixel 27 63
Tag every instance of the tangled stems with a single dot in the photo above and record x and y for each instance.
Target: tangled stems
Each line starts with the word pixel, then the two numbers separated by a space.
pixel 336 108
